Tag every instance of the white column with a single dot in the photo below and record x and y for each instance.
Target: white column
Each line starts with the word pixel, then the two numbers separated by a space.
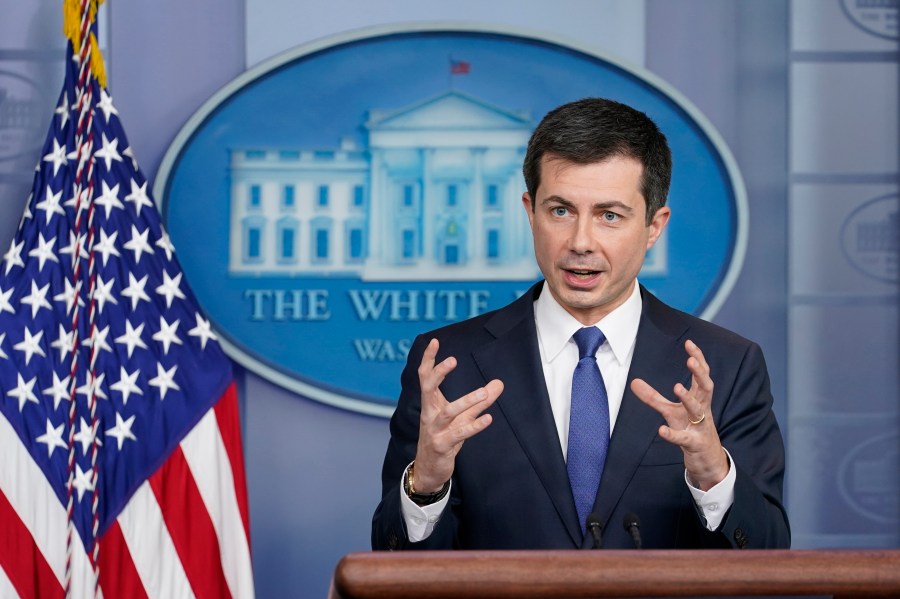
pixel 475 226
pixel 429 204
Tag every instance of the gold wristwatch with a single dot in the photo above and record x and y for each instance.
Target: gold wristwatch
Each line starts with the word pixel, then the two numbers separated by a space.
pixel 421 499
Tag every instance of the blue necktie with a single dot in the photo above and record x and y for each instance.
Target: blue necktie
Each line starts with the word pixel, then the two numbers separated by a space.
pixel 588 423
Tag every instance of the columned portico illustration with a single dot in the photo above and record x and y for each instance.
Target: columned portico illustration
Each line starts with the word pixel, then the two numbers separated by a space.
pixel 434 195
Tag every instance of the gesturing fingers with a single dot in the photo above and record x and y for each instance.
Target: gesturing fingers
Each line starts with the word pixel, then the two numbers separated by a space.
pixel 431 376
pixel 689 421
pixel 465 417
pixel 669 410
pixel 442 436
pixel 696 400
pixel 696 435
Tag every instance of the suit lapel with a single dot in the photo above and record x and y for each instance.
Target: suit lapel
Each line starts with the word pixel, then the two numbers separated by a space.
pixel 659 359
pixel 514 358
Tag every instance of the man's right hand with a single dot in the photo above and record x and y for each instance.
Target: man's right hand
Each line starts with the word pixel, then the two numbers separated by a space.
pixel 444 425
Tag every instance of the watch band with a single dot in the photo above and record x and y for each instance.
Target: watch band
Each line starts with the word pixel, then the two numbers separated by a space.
pixel 421 499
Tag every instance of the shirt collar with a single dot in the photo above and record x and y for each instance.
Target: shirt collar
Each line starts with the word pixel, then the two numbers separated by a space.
pixel 555 326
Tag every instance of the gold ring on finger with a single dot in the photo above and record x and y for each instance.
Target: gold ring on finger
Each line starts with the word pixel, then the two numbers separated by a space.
pixel 699 420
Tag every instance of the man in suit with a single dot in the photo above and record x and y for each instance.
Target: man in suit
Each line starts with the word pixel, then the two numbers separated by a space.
pixel 513 426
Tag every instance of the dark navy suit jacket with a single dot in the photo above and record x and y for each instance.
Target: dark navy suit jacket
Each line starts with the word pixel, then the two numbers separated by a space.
pixel 510 487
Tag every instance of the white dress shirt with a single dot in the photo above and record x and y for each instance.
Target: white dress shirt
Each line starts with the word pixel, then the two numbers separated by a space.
pixel 559 356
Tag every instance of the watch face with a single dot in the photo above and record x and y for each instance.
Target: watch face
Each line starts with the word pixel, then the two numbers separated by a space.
pixel 407 474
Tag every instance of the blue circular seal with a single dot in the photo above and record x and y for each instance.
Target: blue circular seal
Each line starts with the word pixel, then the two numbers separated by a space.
pixel 864 480
pixel 876 17
pixel 870 238
pixel 332 203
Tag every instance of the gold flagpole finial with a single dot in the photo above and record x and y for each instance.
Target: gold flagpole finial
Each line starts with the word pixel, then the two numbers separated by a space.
pixel 74 27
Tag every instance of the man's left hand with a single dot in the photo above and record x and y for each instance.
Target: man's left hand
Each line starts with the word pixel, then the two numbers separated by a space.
pixel 689 422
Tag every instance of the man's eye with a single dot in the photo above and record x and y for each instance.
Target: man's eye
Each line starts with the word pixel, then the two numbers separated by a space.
pixel 559 211
pixel 611 217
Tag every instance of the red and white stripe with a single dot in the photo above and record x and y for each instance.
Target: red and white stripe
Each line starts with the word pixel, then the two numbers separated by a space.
pixel 183 534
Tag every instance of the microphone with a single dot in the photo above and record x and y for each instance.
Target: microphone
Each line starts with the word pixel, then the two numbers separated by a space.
pixel 633 526
pixel 594 526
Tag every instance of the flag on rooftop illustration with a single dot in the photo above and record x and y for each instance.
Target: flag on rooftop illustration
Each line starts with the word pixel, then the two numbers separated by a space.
pixel 121 468
pixel 460 67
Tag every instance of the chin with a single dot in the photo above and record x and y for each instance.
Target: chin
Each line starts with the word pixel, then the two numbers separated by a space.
pixel 581 300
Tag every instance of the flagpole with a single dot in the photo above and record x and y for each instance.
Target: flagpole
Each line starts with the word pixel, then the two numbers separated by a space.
pixel 83 42
pixel 450 73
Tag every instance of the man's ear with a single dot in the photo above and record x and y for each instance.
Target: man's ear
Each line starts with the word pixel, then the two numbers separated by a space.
pixel 657 224
pixel 529 207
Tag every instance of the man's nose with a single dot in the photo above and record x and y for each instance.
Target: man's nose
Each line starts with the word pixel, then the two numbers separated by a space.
pixel 582 240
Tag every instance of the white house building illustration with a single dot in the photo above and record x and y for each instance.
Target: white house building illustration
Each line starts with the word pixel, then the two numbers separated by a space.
pixel 435 195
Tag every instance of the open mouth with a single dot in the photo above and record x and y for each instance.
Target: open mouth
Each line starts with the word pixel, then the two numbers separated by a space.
pixel 579 277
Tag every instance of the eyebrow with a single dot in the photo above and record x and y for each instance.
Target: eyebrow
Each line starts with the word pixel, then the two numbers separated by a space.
pixel 598 205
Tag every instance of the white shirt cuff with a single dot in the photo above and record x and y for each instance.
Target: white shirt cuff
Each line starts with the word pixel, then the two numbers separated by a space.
pixel 420 520
pixel 716 502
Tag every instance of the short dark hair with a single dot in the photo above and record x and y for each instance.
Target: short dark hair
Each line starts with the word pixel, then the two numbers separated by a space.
pixel 596 129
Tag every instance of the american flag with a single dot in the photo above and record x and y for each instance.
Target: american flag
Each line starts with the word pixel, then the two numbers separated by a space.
pixel 460 67
pixel 121 468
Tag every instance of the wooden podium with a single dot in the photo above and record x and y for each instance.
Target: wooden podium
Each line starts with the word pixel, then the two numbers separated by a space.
pixel 569 574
